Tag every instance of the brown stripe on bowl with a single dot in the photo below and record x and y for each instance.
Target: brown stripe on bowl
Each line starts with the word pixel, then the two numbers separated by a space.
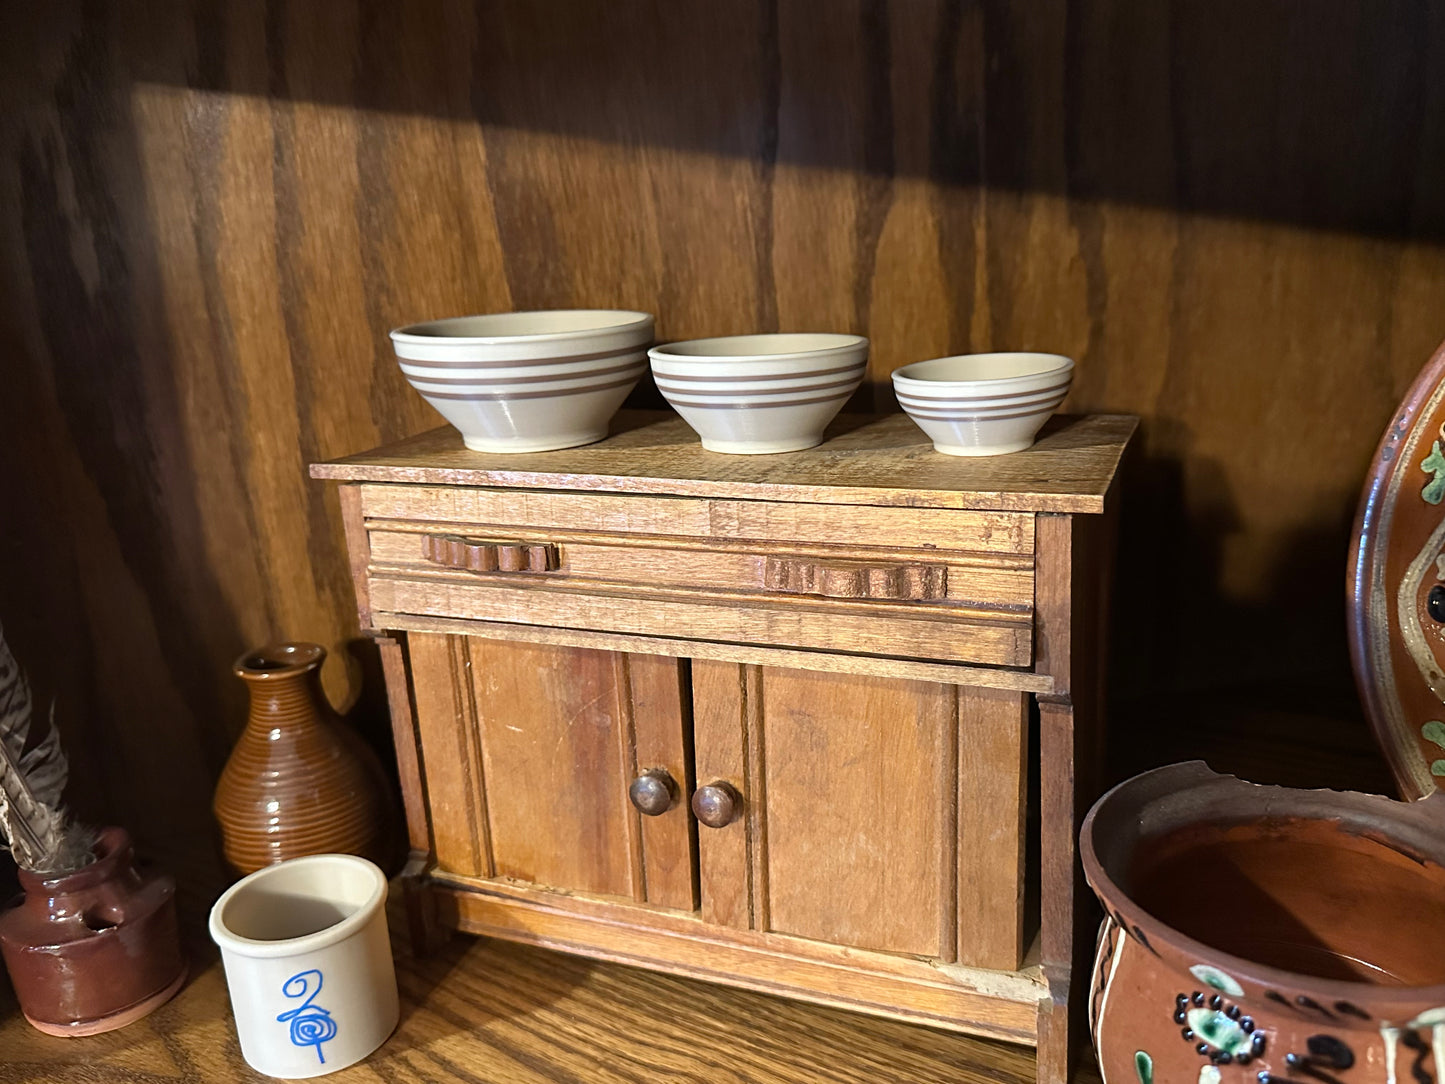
pixel 939 416
pixel 956 392
pixel 733 392
pixel 637 367
pixel 909 402
pixel 480 397
pixel 520 363
pixel 759 406
pixel 742 379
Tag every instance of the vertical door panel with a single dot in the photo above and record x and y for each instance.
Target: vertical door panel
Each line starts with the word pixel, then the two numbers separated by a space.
pixel 723 701
pixel 660 705
pixel 529 753
pixel 556 763
pixel 992 807
pixel 859 788
pixel 451 752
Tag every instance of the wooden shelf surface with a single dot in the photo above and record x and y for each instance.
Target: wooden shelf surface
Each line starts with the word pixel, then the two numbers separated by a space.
pixel 868 460
pixel 490 1011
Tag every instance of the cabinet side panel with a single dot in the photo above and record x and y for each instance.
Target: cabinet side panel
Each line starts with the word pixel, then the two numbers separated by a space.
pixel 447 726
pixel 552 746
pixel 659 707
pixel 408 748
pixel 992 807
pixel 857 842
pixel 719 705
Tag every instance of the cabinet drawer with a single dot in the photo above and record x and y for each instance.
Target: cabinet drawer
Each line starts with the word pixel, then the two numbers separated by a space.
pixel 936 583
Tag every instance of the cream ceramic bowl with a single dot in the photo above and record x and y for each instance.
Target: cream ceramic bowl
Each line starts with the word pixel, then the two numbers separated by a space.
pixel 527 381
pixel 758 394
pixel 983 404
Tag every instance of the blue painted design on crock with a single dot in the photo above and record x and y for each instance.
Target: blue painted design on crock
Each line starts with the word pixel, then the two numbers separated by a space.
pixel 311 1025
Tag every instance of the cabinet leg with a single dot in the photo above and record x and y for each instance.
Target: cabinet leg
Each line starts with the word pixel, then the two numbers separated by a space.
pixel 425 930
pixel 1055 1063
pixel 1063 1037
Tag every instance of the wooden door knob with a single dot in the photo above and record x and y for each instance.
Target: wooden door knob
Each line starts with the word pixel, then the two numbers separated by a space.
pixel 653 792
pixel 717 805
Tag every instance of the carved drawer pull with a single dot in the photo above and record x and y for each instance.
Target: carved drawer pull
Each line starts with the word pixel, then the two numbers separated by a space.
pixel 478 555
pixel 802 576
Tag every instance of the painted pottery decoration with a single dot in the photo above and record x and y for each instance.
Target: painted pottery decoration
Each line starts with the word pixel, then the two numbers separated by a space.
pixel 96 949
pixel 1397 588
pixel 1265 935
pixel 299 781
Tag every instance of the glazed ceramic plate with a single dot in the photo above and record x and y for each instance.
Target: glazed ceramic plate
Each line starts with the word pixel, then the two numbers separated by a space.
pixel 1397 588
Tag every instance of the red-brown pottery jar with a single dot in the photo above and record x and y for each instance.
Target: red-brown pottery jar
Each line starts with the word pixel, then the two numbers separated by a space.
pixel 96 949
pixel 1261 935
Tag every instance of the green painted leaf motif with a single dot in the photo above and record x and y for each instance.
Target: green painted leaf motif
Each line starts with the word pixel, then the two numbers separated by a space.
pixel 1144 1066
pixel 1438 769
pixel 1220 1031
pixel 1434 464
pixel 1435 732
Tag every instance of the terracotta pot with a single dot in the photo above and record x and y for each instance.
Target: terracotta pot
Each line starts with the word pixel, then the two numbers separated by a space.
pixel 93 950
pixel 1265 935
pixel 299 781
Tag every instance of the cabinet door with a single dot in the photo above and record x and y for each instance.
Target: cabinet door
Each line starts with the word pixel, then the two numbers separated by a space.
pixel 528 753
pixel 877 813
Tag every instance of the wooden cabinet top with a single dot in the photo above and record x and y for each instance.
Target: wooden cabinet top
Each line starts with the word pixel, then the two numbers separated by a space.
pixel 865 460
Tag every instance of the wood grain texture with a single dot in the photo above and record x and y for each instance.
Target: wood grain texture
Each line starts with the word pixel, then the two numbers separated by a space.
pixel 453 770
pixel 992 795
pixel 210 213
pixel 989 639
pixel 828 662
pixel 856 842
pixel 755 518
pixel 556 729
pixel 990 581
pixel 800 576
pixel 863 460
pixel 485 1010
pixel 722 712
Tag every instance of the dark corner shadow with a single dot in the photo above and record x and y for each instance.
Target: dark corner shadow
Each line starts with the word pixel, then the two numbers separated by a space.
pixel 1258 685
pixel 456 986
pixel 369 714
pixel 1321 115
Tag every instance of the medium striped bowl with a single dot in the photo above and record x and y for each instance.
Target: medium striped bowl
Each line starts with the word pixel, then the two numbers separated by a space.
pixel 758 394
pixel 983 404
pixel 527 381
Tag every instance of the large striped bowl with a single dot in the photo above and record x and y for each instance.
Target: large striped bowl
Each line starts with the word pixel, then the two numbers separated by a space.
pixel 527 381
pixel 983 404
pixel 757 394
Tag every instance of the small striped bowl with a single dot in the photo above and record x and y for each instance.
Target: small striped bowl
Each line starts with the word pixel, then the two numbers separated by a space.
pixel 758 394
pixel 983 404
pixel 527 381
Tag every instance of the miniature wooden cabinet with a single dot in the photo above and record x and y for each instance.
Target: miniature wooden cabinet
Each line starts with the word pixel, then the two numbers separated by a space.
pixel 763 720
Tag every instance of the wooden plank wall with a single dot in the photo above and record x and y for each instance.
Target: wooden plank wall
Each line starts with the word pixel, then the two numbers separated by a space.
pixel 1230 212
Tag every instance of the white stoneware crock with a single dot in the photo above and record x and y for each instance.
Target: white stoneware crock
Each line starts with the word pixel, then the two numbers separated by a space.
pixel 308 964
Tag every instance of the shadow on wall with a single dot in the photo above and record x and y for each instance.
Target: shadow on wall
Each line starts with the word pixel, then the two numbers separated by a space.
pixel 1267 696
pixel 144 463
pixel 1324 115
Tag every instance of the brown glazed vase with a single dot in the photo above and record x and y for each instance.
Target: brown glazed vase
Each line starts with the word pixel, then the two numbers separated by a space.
pixel 298 781
pixel 1261 935
pixel 93 950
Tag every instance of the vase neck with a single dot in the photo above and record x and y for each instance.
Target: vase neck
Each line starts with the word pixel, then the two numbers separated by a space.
pixel 282 700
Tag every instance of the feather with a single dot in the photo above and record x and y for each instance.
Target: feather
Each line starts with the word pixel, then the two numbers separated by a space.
pixel 32 816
